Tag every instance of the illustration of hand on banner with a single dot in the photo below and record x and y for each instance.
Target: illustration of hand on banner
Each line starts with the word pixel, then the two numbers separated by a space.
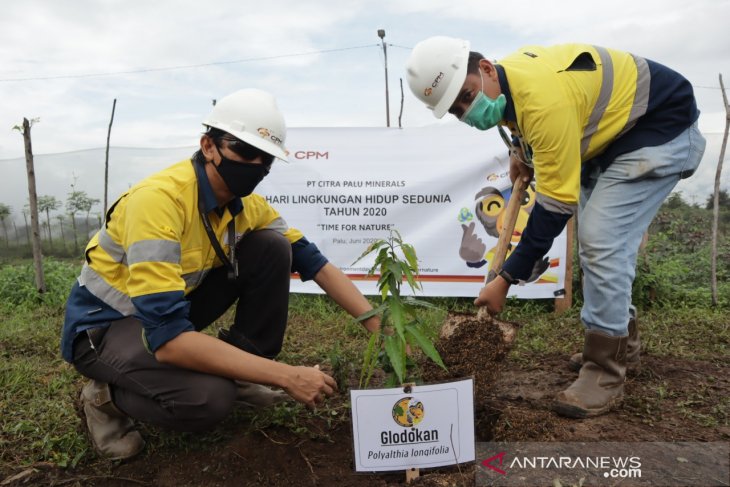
pixel 472 248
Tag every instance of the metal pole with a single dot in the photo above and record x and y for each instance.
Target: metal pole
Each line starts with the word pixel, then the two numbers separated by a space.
pixel 381 34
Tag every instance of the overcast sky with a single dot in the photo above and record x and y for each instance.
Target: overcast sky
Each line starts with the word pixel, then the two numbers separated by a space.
pixel 49 49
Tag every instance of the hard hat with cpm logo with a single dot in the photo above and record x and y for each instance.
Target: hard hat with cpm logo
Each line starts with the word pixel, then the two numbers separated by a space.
pixel 436 71
pixel 252 116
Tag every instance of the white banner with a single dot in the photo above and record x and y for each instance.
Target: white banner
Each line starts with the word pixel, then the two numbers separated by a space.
pixel 418 426
pixel 346 187
pixel 443 188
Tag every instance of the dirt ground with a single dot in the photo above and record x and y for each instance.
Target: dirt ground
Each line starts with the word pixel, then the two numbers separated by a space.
pixel 669 400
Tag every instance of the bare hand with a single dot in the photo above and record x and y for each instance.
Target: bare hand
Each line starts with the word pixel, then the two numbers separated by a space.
pixel 517 168
pixel 493 295
pixel 310 386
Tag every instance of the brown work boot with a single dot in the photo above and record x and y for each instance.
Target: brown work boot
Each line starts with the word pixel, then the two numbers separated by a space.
pixel 600 383
pixel 252 395
pixel 633 350
pixel 111 431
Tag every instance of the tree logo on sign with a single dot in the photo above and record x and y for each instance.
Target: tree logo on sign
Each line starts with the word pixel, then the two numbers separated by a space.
pixel 408 412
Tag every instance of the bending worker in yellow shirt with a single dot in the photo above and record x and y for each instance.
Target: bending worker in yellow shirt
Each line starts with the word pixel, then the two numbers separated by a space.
pixel 607 135
pixel 174 253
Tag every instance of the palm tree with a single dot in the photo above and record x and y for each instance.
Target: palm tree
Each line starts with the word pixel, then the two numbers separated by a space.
pixel 47 204
pixel 60 219
pixel 86 206
pixel 26 212
pixel 75 204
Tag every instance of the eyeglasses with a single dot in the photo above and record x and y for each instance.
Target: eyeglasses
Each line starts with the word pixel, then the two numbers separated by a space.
pixel 247 151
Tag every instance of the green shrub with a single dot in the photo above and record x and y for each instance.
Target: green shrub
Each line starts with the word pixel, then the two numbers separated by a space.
pixel 18 289
pixel 674 268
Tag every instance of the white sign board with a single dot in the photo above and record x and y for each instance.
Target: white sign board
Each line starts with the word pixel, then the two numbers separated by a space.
pixel 443 188
pixel 429 426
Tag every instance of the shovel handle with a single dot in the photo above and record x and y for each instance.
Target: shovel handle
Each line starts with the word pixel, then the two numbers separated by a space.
pixel 508 227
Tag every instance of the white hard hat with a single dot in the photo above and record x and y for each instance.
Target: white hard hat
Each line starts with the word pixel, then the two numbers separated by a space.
pixel 436 71
pixel 252 116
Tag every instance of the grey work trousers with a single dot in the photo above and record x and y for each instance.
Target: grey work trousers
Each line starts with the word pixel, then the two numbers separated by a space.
pixel 182 399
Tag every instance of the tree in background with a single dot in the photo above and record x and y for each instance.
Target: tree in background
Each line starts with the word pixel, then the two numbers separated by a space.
pixel 723 197
pixel 86 204
pixel 46 204
pixel 75 203
pixel 675 201
pixel 26 212
pixel 723 219
pixel 4 214
pixel 78 202
pixel 60 219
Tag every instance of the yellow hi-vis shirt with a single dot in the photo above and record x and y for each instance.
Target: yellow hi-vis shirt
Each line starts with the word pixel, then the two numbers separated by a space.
pixel 154 250
pixel 572 101
pixel 577 104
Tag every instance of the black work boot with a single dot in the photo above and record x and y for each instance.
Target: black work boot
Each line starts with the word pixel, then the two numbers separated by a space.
pixel 633 350
pixel 600 383
pixel 111 431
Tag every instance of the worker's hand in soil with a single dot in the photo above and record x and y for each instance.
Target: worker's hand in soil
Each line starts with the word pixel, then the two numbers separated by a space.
pixel 310 386
pixel 493 295
pixel 517 168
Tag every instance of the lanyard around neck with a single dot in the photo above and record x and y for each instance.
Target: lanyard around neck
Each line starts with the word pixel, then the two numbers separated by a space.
pixel 230 260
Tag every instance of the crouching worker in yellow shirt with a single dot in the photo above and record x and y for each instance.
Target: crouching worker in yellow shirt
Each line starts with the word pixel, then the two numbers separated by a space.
pixel 174 253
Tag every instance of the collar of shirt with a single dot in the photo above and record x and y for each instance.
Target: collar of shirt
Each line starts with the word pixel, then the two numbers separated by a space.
pixel 235 206
pixel 509 111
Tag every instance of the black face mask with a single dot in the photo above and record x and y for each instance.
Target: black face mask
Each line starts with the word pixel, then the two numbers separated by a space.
pixel 241 177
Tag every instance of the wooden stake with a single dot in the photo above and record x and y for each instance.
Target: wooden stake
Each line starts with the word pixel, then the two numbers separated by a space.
pixel 106 162
pixel 716 199
pixel 32 196
pixel 563 304
pixel 411 473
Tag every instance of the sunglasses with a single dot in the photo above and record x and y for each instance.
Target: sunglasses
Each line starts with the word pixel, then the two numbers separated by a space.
pixel 247 151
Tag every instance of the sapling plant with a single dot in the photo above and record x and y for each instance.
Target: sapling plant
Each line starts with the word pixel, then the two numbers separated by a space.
pixel 401 328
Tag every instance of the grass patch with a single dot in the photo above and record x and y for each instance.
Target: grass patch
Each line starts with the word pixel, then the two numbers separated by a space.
pixel 39 392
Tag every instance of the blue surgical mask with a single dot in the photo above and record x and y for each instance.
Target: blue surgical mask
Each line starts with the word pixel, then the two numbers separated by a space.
pixel 484 112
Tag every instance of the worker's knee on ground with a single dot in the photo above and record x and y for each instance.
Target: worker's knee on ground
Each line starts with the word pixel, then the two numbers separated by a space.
pixel 205 405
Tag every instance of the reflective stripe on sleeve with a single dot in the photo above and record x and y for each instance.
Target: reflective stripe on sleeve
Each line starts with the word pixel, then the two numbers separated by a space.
pixel 97 286
pixel 154 251
pixel 641 97
pixel 555 206
pixel 604 96
pixel 279 225
pixel 112 248
pixel 192 279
